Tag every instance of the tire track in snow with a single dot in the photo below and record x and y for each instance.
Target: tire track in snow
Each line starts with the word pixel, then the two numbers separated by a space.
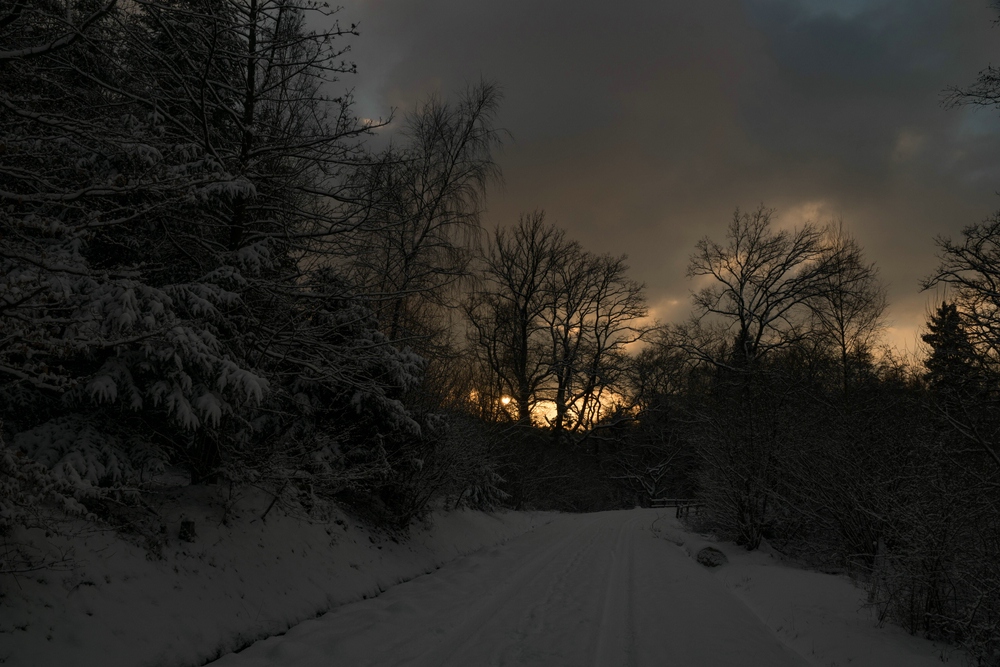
pixel 469 633
pixel 615 633
pixel 536 622
pixel 585 590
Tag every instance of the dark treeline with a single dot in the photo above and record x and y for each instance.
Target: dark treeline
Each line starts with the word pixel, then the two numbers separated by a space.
pixel 776 408
pixel 209 271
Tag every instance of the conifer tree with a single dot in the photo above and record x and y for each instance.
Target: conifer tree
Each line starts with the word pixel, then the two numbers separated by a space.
pixel 951 367
pixel 174 190
pixel 961 386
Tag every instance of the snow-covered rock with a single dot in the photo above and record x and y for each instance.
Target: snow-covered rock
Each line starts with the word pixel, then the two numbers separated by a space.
pixel 711 557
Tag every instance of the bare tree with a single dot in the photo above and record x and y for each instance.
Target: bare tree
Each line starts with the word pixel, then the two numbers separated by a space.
pixel 423 220
pixel 971 270
pixel 761 279
pixel 757 303
pixel 505 311
pixel 593 312
pixel 848 307
pixel 569 299
pixel 553 321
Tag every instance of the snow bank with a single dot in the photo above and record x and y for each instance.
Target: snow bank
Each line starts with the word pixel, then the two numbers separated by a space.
pixel 246 579
pixel 238 581
pixel 822 617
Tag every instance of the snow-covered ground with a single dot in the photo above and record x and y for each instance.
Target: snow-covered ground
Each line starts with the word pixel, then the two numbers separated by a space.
pixel 822 617
pixel 613 588
pixel 120 605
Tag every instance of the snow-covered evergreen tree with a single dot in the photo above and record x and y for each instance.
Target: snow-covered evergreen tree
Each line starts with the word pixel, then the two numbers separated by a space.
pixel 97 336
pixel 173 195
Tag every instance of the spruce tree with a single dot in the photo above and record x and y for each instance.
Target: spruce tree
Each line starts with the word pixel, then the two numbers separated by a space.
pixel 952 373
pixel 174 197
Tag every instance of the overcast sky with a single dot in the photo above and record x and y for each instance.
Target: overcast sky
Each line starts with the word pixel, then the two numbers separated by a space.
pixel 639 126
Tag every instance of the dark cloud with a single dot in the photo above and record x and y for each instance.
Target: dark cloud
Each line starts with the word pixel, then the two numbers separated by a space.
pixel 640 126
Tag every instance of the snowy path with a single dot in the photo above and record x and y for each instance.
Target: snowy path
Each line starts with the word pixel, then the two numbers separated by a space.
pixel 596 589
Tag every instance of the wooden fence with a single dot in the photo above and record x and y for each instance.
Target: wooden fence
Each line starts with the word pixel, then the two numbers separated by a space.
pixel 683 505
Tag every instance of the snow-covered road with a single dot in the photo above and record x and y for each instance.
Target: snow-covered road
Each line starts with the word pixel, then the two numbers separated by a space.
pixel 595 589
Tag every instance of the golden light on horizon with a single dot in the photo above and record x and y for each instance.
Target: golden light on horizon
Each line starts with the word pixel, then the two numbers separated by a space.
pixel 543 411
